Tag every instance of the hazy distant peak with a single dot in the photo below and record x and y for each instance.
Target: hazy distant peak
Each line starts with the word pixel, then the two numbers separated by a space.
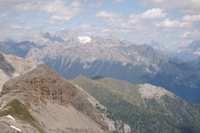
pixel 66 34
pixel 157 46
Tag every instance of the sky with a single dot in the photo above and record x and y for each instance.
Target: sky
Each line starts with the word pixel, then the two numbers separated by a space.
pixel 173 23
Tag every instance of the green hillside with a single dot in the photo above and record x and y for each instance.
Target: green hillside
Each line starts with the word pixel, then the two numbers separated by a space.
pixel 145 111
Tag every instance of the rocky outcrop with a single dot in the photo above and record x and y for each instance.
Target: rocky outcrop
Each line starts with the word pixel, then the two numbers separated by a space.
pixel 12 66
pixel 149 91
pixel 6 67
pixel 43 85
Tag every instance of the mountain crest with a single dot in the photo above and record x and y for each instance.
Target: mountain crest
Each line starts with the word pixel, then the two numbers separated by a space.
pixel 45 83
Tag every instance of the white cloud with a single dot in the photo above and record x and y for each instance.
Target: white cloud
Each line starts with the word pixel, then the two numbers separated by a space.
pixel 59 9
pixel 192 35
pixel 105 14
pixel 167 23
pixel 15 26
pixel 191 18
pixel 186 6
pixel 112 19
pixel 185 34
pixel 153 14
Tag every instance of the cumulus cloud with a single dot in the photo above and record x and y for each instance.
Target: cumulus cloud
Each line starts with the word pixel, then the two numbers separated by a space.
pixel 167 23
pixel 192 18
pixel 189 34
pixel 153 13
pixel 186 6
pixel 15 26
pixel 105 14
pixel 112 19
pixel 59 9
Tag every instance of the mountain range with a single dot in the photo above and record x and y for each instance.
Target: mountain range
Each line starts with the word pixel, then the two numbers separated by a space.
pixel 186 53
pixel 39 100
pixel 71 55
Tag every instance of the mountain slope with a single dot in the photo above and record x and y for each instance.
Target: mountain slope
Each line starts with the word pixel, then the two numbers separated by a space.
pixel 133 63
pixel 71 55
pixel 12 66
pixel 144 107
pixel 52 104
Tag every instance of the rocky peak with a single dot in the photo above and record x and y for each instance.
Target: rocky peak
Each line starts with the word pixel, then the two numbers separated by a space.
pixel 66 34
pixel 43 84
pixel 38 38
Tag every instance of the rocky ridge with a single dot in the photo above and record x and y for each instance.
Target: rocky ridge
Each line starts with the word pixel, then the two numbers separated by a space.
pixel 53 101
pixel 12 66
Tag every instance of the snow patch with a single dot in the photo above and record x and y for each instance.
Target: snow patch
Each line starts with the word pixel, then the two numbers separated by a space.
pixel 84 39
pixel 15 128
pixel 10 117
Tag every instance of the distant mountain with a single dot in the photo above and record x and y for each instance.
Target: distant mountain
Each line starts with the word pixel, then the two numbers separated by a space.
pixel 16 48
pixel 133 63
pixel 146 108
pixel 71 55
pixel 158 46
pixel 43 101
pixel 190 52
pixel 66 34
pixel 42 38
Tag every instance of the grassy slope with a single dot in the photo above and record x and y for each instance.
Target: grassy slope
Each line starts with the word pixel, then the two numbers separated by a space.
pixel 168 114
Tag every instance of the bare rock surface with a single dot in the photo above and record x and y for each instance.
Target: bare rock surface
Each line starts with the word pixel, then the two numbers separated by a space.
pixel 149 91
pixel 12 66
pixel 56 104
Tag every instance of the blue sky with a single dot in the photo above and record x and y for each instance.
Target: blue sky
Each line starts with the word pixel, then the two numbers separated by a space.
pixel 173 23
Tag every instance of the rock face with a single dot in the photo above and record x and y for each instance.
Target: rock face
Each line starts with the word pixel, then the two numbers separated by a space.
pixel 6 67
pixel 149 91
pixel 44 82
pixel 43 86
pixel 12 66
